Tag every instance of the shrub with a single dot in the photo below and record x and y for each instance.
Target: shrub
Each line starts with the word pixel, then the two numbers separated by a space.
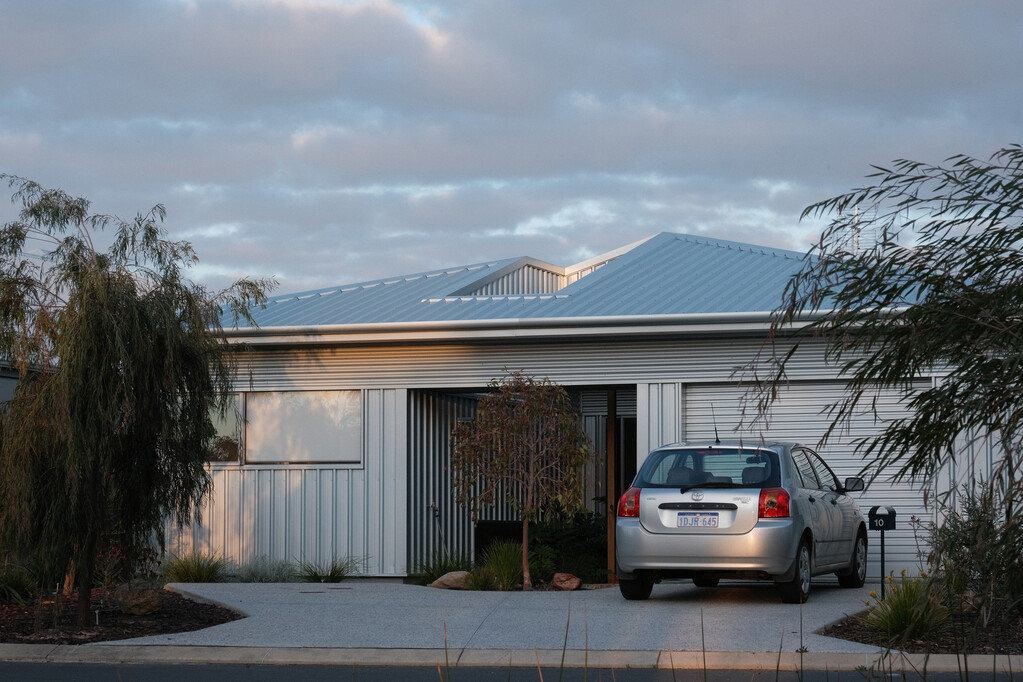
pixel 441 563
pixel 17 585
pixel 504 560
pixel 543 563
pixel 976 553
pixel 115 566
pixel 196 567
pixel 575 544
pixel 334 571
pixel 910 609
pixel 263 569
pixel 482 578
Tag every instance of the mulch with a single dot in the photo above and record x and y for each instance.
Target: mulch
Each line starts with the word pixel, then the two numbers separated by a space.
pixel 960 634
pixel 177 614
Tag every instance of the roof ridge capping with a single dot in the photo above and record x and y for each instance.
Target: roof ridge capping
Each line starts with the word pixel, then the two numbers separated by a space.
pixel 383 281
pixel 739 246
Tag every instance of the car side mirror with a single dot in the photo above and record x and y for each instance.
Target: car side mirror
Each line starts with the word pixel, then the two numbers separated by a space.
pixel 853 484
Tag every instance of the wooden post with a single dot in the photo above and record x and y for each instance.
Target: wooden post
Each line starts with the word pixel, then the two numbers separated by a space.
pixel 611 437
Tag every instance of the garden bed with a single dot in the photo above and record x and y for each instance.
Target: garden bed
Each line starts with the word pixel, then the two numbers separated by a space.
pixel 177 614
pixel 957 636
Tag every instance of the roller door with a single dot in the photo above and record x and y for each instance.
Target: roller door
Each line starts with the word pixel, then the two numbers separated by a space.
pixel 798 416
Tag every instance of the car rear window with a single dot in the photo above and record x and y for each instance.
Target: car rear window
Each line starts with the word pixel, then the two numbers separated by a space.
pixel 742 467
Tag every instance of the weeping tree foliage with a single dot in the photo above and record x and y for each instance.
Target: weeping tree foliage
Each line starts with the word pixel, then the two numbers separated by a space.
pixel 919 273
pixel 121 363
pixel 525 445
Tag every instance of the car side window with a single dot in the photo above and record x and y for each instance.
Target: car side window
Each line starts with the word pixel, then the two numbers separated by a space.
pixel 805 470
pixel 824 473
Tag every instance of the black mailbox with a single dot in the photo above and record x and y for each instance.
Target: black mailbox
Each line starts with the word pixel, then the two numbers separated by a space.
pixel 881 518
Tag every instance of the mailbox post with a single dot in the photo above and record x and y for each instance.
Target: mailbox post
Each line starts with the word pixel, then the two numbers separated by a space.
pixel 882 519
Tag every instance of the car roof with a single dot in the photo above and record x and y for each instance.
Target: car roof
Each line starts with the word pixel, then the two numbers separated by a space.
pixel 744 444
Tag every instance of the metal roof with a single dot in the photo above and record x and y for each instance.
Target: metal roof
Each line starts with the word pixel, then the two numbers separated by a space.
pixel 666 275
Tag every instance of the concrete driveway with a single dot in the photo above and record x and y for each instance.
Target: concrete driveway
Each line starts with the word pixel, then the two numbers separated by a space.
pixel 390 615
pixel 737 626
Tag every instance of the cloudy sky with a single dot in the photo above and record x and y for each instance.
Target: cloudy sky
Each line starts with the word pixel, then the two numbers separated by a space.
pixel 325 142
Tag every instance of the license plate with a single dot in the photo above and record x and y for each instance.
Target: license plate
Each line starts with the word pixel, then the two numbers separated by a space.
pixel 697 520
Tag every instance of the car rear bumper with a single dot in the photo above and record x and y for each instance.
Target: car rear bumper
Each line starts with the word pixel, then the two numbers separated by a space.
pixel 767 550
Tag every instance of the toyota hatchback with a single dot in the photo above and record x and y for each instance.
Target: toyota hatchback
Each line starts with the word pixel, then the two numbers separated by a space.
pixel 728 510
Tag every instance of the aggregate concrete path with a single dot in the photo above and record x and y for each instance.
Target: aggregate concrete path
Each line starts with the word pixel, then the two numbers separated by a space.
pixel 738 625
pixel 393 615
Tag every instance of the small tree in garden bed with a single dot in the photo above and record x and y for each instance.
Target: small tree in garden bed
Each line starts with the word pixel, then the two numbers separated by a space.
pixel 525 442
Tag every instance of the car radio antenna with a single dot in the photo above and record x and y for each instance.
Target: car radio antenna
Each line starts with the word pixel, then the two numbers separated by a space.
pixel 713 417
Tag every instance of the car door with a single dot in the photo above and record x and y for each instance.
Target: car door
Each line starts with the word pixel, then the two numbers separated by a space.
pixel 842 509
pixel 816 508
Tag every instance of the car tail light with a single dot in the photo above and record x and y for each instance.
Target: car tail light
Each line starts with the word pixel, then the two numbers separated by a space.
pixel 628 505
pixel 774 503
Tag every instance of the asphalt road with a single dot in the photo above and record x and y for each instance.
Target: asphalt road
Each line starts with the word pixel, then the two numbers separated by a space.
pixel 133 672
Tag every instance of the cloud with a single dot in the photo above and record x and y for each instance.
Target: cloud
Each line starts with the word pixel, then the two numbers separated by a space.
pixel 328 142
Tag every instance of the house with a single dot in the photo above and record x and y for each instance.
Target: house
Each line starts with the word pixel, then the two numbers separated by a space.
pixel 347 395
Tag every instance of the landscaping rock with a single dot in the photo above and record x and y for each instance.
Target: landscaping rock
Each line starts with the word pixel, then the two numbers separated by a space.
pixel 455 580
pixel 138 598
pixel 565 581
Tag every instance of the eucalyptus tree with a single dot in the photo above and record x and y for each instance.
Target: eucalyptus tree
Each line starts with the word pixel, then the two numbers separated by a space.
pixel 526 446
pixel 122 362
pixel 919 273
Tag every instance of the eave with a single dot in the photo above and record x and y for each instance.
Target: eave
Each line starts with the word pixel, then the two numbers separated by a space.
pixel 703 324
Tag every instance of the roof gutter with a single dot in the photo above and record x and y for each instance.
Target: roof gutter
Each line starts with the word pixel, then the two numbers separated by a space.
pixel 613 325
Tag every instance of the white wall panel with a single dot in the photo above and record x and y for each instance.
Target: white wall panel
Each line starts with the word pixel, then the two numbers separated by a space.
pixel 660 416
pixel 306 512
pixel 577 362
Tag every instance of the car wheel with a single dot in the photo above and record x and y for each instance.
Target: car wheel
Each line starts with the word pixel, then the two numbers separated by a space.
pixel 706 582
pixel 856 574
pixel 636 590
pixel 797 590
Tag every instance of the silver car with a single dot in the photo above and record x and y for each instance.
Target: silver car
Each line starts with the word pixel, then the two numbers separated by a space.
pixel 730 510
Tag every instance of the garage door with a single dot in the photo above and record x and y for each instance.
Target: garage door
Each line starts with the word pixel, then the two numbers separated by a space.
pixel 798 416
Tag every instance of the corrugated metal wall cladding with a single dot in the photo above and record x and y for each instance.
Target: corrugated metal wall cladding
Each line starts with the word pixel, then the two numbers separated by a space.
pixel 314 512
pixel 569 363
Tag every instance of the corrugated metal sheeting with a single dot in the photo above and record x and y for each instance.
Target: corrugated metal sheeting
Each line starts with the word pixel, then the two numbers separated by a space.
pixel 526 279
pixel 302 512
pixel 365 511
pixel 438 525
pixel 572 363
pixel 669 274
pixel 680 412
pixel 550 318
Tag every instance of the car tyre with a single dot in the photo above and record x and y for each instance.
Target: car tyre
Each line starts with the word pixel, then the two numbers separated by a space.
pixel 856 574
pixel 706 582
pixel 797 590
pixel 636 590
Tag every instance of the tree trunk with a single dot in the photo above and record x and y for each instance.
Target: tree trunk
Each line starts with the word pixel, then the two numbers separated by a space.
pixel 527 584
pixel 84 593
